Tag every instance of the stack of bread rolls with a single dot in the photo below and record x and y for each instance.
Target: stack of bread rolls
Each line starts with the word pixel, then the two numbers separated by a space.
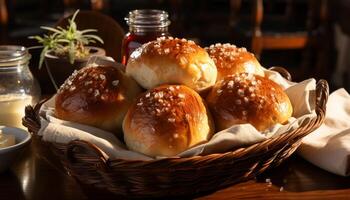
pixel 171 116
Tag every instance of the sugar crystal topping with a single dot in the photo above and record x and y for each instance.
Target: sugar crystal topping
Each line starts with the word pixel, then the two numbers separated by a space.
pixel 162 102
pixel 170 45
pixel 91 79
pixel 243 89
pixel 225 53
pixel 68 83
pixel 115 83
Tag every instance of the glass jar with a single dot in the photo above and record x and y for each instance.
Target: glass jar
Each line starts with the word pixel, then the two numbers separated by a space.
pixel 18 87
pixel 144 26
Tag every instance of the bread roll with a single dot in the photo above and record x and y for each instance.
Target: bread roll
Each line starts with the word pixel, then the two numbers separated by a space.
pixel 230 60
pixel 172 61
pixel 166 121
pixel 97 96
pixel 247 98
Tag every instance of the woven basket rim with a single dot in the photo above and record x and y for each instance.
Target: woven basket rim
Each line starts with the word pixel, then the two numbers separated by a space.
pixel 175 176
pixel 320 110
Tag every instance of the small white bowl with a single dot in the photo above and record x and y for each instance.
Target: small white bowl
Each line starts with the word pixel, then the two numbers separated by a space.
pixel 9 154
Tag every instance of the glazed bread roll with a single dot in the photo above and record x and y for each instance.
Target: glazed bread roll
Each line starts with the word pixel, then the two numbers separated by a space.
pixel 172 61
pixel 230 60
pixel 166 121
pixel 97 96
pixel 247 98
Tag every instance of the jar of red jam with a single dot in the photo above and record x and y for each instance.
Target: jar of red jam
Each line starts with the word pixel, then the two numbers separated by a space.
pixel 144 26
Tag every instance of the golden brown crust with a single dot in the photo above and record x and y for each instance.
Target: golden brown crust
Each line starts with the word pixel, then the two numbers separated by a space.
pixel 172 61
pixel 176 49
pixel 96 96
pixel 230 60
pixel 248 98
pixel 166 121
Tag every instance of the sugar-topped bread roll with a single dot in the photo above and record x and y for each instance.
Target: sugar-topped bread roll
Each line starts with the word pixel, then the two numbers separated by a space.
pixel 247 98
pixel 172 61
pixel 98 96
pixel 166 121
pixel 230 60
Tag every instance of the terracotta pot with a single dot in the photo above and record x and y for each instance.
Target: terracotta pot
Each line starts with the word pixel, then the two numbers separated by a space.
pixel 59 69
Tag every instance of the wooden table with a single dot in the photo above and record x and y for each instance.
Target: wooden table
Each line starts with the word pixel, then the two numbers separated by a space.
pixel 32 177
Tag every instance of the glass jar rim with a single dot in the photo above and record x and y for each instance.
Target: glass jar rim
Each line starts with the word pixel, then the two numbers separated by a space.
pixel 148 18
pixel 11 55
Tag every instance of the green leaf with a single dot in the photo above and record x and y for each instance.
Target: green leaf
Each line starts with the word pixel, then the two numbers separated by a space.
pixel 92 41
pixel 42 56
pixel 73 27
pixel 71 53
pixel 88 31
pixel 51 29
pixel 38 38
pixel 59 46
pixel 75 15
pixel 84 41
pixel 60 28
pixel 63 40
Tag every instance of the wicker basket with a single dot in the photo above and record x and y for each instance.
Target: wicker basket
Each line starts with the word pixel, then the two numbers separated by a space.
pixel 176 177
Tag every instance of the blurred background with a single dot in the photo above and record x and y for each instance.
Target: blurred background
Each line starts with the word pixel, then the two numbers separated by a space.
pixel 308 37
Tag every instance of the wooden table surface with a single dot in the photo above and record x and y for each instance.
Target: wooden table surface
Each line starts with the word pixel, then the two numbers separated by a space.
pixel 32 177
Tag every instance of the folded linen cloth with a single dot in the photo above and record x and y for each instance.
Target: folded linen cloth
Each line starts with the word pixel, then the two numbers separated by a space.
pixel 329 146
pixel 61 131
pixel 302 96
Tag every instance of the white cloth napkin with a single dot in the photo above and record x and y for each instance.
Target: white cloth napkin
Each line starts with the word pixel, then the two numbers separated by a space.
pixel 60 131
pixel 302 96
pixel 329 146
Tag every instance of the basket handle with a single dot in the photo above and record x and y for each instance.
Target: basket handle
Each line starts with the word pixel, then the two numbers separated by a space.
pixel 322 89
pixel 322 93
pixel 31 119
pixel 282 71
pixel 98 153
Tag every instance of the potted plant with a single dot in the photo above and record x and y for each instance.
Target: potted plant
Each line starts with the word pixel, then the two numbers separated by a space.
pixel 66 49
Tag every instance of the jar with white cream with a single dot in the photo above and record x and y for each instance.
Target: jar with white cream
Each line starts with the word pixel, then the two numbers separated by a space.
pixel 18 87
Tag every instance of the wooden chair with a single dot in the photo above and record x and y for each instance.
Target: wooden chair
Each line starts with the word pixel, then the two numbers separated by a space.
pixel 107 28
pixel 305 40
pixel 276 40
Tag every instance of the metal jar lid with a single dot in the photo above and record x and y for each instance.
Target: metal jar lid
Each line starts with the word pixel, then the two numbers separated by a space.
pixel 13 55
pixel 148 18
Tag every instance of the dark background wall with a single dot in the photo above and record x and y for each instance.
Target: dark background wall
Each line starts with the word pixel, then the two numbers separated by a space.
pixel 207 22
